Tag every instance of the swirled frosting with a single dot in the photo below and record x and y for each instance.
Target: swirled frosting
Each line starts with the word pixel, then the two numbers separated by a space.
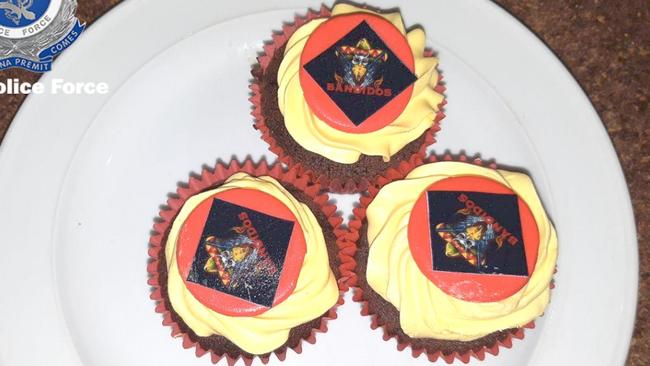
pixel 317 136
pixel 316 290
pixel 425 310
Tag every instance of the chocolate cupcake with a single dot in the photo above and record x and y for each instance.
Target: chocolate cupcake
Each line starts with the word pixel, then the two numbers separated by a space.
pixel 347 94
pixel 455 259
pixel 247 260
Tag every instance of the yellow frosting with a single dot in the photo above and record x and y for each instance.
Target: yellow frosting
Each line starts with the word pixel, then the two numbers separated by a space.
pixel 425 310
pixel 316 289
pixel 317 136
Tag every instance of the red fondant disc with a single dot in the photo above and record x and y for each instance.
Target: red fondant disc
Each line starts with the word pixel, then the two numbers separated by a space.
pixel 189 239
pixel 474 287
pixel 330 34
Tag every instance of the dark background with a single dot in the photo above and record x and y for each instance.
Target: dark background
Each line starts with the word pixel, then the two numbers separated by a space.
pixel 606 46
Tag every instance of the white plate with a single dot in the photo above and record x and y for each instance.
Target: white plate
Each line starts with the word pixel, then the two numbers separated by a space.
pixel 82 177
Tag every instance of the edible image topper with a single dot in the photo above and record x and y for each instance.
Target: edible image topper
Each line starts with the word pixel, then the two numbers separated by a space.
pixel 241 252
pixel 360 73
pixel 475 232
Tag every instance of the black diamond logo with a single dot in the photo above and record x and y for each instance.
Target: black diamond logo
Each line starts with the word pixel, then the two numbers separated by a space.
pixel 241 252
pixel 475 232
pixel 360 73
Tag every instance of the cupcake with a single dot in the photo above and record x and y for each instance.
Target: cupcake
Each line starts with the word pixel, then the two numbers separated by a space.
pixel 455 259
pixel 346 95
pixel 246 261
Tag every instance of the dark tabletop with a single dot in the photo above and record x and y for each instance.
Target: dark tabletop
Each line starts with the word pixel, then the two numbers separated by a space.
pixel 606 46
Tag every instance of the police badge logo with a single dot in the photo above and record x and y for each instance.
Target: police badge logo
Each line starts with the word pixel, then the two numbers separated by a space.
pixel 33 32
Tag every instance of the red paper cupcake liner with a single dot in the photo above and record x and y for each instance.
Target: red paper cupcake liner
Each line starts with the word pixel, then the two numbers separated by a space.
pixel 332 184
pixel 355 225
pixel 212 177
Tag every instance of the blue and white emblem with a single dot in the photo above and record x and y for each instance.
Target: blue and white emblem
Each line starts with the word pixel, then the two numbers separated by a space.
pixel 33 32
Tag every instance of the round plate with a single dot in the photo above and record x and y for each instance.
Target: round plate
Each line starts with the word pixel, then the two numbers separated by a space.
pixel 83 177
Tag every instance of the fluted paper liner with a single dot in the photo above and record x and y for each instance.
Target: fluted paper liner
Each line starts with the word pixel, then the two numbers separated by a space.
pixel 212 178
